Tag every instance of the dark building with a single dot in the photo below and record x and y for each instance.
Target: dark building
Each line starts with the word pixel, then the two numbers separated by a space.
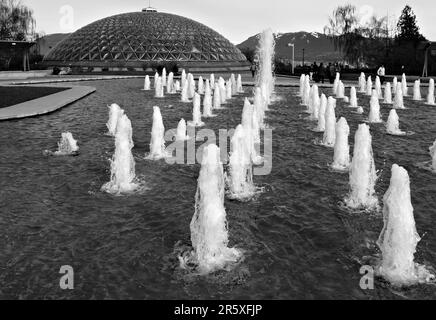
pixel 146 40
pixel 429 50
pixel 16 53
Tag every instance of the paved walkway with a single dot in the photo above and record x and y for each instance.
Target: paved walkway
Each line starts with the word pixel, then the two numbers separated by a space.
pixel 68 79
pixel 45 104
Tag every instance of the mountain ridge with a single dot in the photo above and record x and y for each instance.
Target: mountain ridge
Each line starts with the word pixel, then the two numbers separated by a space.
pixel 317 46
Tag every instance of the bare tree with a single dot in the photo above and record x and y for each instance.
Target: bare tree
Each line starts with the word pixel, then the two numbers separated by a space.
pixel 344 30
pixel 361 44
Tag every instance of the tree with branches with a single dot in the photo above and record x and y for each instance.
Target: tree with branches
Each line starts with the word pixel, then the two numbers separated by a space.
pixel 16 21
pixel 360 43
pixel 407 26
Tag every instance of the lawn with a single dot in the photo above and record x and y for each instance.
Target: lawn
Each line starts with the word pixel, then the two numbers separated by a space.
pixel 10 96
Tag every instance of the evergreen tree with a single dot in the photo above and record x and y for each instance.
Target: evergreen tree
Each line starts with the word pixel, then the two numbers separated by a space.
pixel 408 27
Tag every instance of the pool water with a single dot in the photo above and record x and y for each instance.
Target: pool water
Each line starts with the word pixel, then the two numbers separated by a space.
pixel 298 241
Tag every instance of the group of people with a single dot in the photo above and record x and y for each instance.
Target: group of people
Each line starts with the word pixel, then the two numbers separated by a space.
pixel 321 72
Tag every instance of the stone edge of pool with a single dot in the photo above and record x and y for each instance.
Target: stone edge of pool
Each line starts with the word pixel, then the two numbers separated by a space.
pixel 46 104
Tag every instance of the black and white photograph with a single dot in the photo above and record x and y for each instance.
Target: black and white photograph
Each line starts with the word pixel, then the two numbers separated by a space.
pixel 217 155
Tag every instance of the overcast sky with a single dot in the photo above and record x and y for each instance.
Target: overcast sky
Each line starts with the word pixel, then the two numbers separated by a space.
pixel 235 19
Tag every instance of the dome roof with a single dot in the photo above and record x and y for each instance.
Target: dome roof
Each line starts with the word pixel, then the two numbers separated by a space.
pixel 135 39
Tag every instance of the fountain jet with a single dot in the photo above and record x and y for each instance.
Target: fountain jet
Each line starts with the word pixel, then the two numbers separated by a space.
pixel 378 87
pixel 191 86
pixel 184 93
pixel 336 83
pixel 200 85
pixel 374 112
pixel 433 156
pixel 393 124
pixel 240 176
pixel 321 115
pixel 341 159
pixel 234 84
pixel 157 143
pixel 196 112
pixel 240 88
pixel 399 237
pixel 122 163
pixel 207 103
pixel 363 175
pixel 181 133
pixel 369 86
pixel 330 124
pixel 353 98
pixel 147 83
pixel 67 146
pixel 388 94
pixel 170 83
pixel 159 90
pixel 398 100
pixel 430 95
pixel 362 83
pixel 115 112
pixel 404 87
pixel 265 52
pixel 306 93
pixel 217 97
pixel 417 91
pixel 341 91
pixel 209 230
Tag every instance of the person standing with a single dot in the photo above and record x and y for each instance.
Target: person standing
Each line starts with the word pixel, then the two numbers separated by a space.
pixel 381 72
pixel 332 73
pixel 253 69
pixel 321 73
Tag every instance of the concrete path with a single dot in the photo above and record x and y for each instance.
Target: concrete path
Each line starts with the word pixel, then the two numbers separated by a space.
pixel 45 104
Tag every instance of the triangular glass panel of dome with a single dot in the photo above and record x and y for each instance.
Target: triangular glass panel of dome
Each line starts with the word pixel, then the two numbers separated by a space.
pixel 95 48
pixel 127 48
pixel 95 56
pixel 118 56
pixel 74 56
pixel 196 56
pixel 107 56
pixel 166 56
pixel 86 56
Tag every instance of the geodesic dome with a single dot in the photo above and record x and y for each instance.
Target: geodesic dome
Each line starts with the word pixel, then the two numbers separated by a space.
pixel 139 39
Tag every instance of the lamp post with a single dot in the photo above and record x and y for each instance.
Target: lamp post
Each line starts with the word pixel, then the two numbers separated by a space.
pixel 293 56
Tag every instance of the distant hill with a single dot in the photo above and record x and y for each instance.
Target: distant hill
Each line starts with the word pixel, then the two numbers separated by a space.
pixel 50 41
pixel 318 47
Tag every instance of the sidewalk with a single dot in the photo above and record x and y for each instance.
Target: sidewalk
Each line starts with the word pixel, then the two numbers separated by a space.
pixel 45 104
